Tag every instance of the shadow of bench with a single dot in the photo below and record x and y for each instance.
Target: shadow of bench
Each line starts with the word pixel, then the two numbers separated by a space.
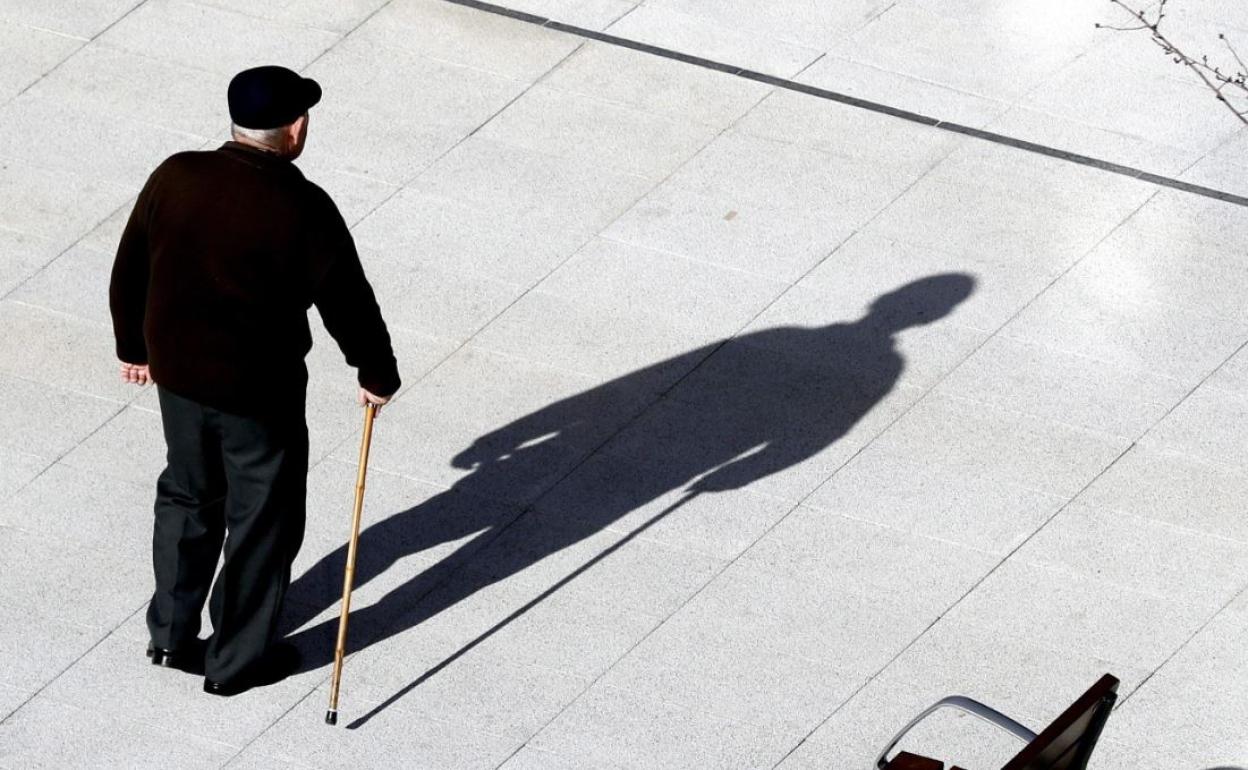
pixel 1066 744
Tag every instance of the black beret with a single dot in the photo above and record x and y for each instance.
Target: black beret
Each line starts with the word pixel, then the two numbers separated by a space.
pixel 271 96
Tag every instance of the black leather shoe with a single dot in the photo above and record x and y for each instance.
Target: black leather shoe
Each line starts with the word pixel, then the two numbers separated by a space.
pixel 189 659
pixel 280 661
pixel 226 689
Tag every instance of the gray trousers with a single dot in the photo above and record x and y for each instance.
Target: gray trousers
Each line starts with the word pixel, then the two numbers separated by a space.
pixel 234 482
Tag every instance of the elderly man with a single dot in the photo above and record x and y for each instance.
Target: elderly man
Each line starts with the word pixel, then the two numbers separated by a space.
pixel 223 255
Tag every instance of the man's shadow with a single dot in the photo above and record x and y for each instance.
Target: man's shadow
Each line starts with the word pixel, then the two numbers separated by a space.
pixel 739 411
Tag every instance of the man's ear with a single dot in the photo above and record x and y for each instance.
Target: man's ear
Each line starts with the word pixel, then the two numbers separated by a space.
pixel 294 130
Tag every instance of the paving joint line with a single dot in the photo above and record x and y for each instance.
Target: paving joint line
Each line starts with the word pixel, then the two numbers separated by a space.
pixel 405 184
pixel 76 242
pixel 532 505
pixel 86 42
pixel 75 662
pixel 853 101
pixel 56 461
pixel 467 340
pixel 272 724
pixel 1195 388
pixel 951 607
pixel 1014 550
pixel 1232 600
pixel 1229 602
pixel 661 397
pixel 637 4
pixel 341 36
pixel 1122 701
pixel 1044 524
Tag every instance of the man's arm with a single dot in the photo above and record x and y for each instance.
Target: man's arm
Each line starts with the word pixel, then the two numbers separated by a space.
pixel 349 309
pixel 127 291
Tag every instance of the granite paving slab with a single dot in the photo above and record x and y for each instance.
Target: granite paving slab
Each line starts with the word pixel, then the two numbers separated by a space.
pixel 18 469
pixel 652 85
pixel 25 255
pixel 461 35
pixel 46 647
pixel 135 87
pixel 75 354
pixel 33 53
pixel 63 420
pixel 590 14
pixel 1174 488
pixel 334 15
pixel 75 283
pixel 301 737
pixel 167 30
pixel 606 135
pixel 76 18
pixel 663 26
pixel 1065 387
pixel 47 734
pixel 130 447
pixel 77 508
pixel 917 95
pixel 915 493
pixel 58 207
pixel 601 728
pixel 91 587
pixel 120 151
pixel 1160 560
pixel 1191 428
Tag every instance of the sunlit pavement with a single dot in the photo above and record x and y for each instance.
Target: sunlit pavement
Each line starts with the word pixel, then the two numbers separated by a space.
pixel 771 371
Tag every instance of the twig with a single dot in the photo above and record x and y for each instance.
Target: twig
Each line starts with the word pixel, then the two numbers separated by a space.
pixel 1210 74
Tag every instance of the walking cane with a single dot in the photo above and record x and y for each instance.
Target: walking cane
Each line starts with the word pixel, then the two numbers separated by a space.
pixel 348 578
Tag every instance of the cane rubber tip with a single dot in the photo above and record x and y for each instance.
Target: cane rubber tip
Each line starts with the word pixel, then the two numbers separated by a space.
pixel 331 717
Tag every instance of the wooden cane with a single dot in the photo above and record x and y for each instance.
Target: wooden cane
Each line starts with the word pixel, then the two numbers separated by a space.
pixel 348 578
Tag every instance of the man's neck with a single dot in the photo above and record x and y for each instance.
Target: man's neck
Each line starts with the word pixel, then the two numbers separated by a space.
pixel 259 146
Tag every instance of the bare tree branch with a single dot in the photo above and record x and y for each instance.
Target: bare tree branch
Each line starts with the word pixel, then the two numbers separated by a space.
pixel 1243 68
pixel 1210 74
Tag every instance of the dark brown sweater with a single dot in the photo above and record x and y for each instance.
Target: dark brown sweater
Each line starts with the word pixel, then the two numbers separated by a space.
pixel 224 253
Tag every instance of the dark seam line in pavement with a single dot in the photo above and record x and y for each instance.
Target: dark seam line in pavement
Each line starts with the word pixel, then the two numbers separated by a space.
pixel 74 52
pixel 879 672
pixel 75 662
pixel 688 494
pixel 412 179
pixel 1123 700
pixel 957 602
pixel 853 101
pixel 57 460
pixel 528 508
pixel 242 749
pixel 1193 390
pixel 40 270
pixel 531 507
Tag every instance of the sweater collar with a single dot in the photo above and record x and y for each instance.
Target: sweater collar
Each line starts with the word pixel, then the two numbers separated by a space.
pixel 254 155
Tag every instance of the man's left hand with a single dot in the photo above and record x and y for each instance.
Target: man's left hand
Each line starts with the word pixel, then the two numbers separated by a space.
pixel 135 373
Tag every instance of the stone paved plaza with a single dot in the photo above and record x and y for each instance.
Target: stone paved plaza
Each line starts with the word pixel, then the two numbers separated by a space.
pixel 739 422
